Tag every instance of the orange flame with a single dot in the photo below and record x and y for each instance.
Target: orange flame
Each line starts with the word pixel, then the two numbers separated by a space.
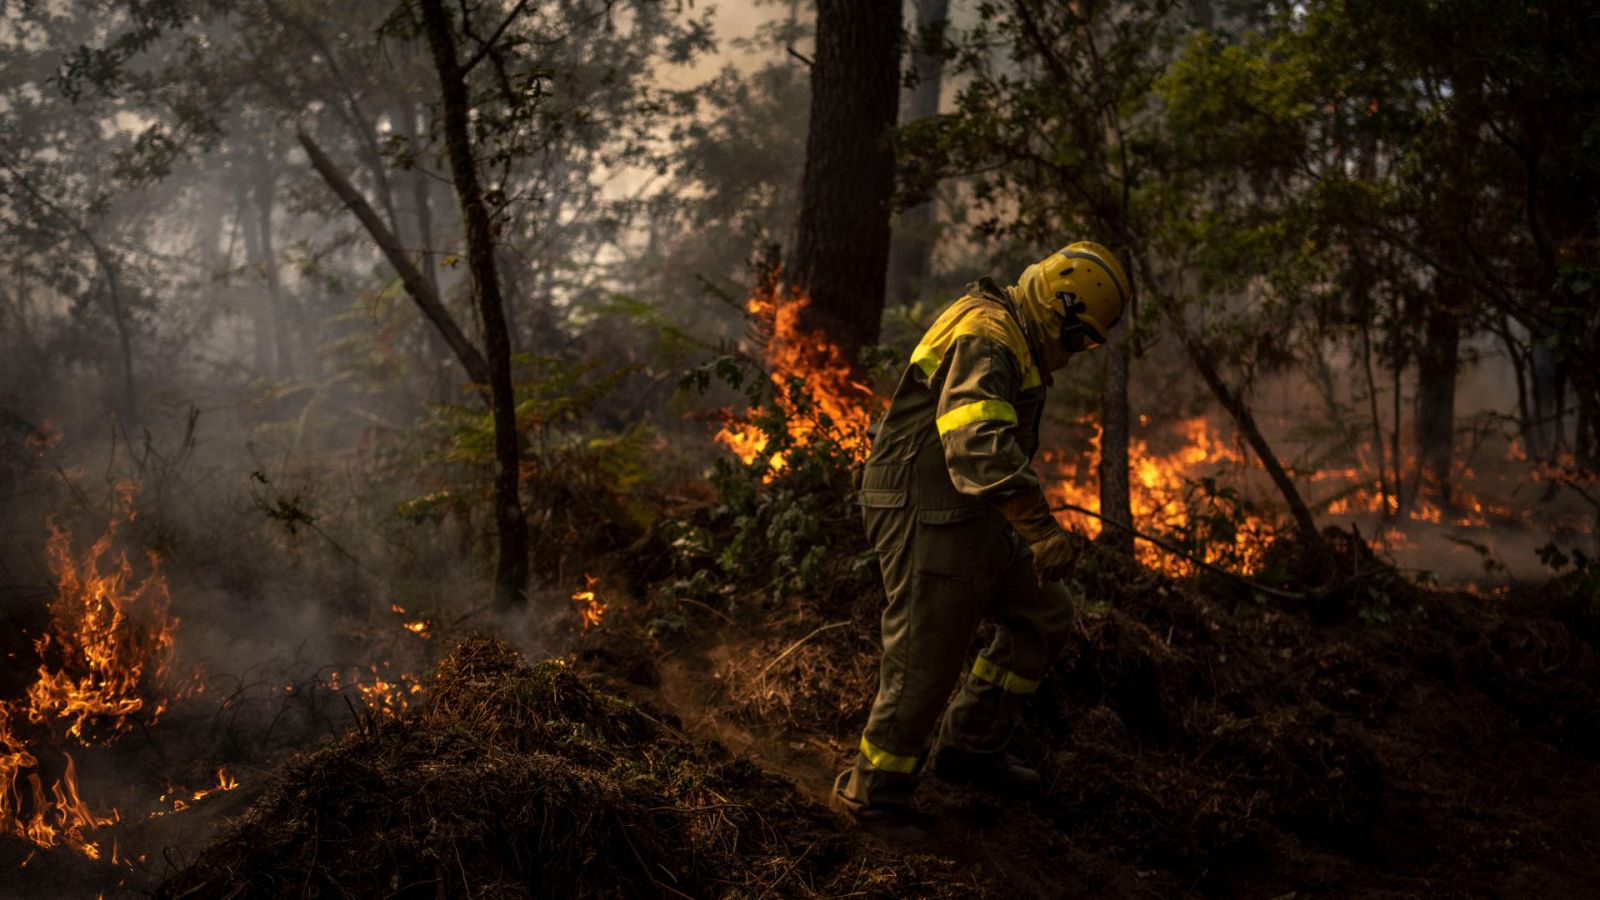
pixel 418 627
pixel 114 638
pixel 182 799
pixel 832 405
pixel 106 653
pixel 1160 483
pixel 590 608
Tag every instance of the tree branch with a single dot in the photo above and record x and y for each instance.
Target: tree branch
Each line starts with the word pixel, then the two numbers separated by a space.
pixel 421 291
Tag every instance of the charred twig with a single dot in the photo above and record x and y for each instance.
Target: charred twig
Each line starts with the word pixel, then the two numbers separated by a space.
pixel 1176 551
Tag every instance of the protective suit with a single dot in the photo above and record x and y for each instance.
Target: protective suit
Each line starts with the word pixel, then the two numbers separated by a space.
pixel 963 531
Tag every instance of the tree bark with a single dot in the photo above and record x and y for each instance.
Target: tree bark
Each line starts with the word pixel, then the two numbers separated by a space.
pixel 279 314
pixel 432 350
pixel 1115 502
pixel 1436 400
pixel 842 248
pixel 915 231
pixel 260 313
pixel 511 566
pixel 420 289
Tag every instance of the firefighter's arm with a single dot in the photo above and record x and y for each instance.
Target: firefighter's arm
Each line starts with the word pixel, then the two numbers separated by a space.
pixel 976 422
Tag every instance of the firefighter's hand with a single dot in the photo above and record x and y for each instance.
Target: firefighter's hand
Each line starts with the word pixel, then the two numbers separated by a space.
pixel 1055 557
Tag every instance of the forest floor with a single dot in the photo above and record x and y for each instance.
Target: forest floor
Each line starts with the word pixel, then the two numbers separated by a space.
pixel 1193 742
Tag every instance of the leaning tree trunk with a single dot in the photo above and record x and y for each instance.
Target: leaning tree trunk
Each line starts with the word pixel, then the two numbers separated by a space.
pixel 1205 363
pixel 842 248
pixel 420 288
pixel 911 252
pixel 511 566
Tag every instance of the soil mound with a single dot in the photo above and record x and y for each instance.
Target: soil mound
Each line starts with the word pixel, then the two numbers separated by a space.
pixel 517 780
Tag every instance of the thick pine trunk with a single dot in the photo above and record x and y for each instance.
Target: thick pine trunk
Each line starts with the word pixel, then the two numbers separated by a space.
pixel 511 566
pixel 915 231
pixel 842 248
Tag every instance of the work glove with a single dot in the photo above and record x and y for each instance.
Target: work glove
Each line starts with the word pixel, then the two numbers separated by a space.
pixel 1054 553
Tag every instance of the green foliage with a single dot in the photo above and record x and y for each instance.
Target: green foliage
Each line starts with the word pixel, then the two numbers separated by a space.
pixel 583 470
pixel 783 531
pixel 1575 576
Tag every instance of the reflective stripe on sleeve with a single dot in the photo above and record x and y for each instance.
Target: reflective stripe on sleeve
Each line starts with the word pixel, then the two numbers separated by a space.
pixel 981 411
pixel 926 358
pixel 889 762
pixel 1006 679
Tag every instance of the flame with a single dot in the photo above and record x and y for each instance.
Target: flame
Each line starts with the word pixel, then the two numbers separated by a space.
pixel 418 627
pixel 831 406
pixel 114 639
pixel 590 608
pixel 104 660
pixel 384 693
pixel 182 798
pixel 1161 491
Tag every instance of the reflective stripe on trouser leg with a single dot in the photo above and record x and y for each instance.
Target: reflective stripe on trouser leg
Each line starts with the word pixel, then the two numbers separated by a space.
pixel 928 625
pixel 1032 622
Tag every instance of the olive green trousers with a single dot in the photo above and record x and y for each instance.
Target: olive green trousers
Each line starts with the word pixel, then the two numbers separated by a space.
pixel 944 571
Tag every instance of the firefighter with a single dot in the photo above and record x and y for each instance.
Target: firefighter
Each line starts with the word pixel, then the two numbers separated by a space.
pixel 963 531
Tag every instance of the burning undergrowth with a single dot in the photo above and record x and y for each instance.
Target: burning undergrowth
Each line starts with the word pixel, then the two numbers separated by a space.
pixel 517 780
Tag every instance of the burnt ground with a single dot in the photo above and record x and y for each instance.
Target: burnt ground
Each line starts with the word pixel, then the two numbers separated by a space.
pixel 1194 739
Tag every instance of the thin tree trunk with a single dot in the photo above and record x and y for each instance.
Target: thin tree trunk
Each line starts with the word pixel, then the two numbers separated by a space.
pixel 842 248
pixel 260 314
pixel 114 298
pixel 265 192
pixel 432 348
pixel 1436 399
pixel 420 289
pixel 1386 493
pixel 511 566
pixel 1115 503
pixel 1205 363
pixel 1397 364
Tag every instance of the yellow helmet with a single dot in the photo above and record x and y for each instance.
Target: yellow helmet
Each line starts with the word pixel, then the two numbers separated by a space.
pixel 1085 282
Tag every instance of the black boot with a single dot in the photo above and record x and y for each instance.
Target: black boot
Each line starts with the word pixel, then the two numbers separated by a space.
pixel 894 825
pixel 996 773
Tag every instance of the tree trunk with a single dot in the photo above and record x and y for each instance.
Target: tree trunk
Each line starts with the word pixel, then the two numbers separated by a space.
pixel 842 247
pixel 1115 503
pixel 260 312
pixel 1436 401
pixel 420 289
pixel 432 349
pixel 916 230
pixel 1206 364
pixel 511 566
pixel 265 192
